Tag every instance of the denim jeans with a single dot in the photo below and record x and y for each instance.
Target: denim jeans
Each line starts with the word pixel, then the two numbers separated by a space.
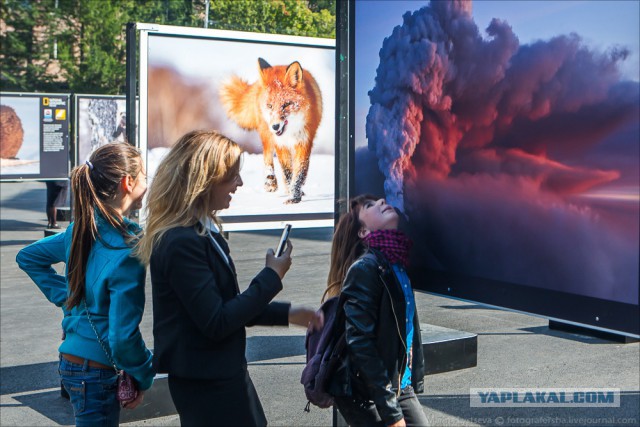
pixel 92 392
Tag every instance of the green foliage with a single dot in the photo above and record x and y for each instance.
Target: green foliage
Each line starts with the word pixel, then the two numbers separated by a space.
pixel 92 53
pixel 290 17
pixel 319 5
pixel 25 59
pixel 168 12
pixel 80 45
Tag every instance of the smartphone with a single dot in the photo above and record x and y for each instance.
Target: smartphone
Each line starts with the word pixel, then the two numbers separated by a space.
pixel 283 239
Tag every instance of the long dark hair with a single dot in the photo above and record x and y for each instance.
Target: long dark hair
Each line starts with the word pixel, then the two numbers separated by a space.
pixel 93 184
pixel 347 246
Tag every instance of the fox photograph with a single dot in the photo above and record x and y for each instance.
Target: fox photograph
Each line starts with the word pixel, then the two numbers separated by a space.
pixel 285 107
pixel 276 100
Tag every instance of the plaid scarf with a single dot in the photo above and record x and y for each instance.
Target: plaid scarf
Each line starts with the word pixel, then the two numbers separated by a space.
pixel 394 244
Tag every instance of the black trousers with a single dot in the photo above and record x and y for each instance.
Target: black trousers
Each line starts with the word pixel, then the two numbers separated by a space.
pixel 229 402
pixel 56 193
pixel 359 414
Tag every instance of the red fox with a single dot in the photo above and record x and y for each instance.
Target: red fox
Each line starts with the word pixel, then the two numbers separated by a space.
pixel 285 107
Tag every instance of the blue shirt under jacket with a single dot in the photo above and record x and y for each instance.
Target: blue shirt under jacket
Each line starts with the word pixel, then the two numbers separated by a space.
pixel 114 294
pixel 407 290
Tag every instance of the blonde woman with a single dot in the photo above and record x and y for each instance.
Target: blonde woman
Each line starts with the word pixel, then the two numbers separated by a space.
pixel 199 312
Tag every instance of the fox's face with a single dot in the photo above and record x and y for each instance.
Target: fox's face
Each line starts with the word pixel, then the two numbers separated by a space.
pixel 282 104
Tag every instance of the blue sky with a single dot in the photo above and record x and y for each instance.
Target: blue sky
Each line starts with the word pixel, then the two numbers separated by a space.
pixel 601 24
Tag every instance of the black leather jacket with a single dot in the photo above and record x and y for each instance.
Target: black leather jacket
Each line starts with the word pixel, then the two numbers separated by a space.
pixel 374 308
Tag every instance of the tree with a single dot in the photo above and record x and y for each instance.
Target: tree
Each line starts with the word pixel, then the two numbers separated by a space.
pixel 186 13
pixel 319 5
pixel 92 50
pixel 95 52
pixel 79 45
pixel 291 17
pixel 26 46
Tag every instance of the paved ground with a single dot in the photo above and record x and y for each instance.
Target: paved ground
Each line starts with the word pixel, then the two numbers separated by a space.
pixel 514 350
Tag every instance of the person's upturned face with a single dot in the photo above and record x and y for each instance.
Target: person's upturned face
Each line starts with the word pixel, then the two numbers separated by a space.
pixel 221 195
pixel 377 215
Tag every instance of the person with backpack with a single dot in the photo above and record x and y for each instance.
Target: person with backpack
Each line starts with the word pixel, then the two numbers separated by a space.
pixel 384 359
pixel 102 291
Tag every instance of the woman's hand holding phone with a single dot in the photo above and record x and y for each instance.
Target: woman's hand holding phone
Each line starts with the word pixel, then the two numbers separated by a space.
pixel 282 263
pixel 283 239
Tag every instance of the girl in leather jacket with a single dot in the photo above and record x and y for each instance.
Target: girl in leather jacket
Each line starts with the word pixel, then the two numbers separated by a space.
pixel 385 364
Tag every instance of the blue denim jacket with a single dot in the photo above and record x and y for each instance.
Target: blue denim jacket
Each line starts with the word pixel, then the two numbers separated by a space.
pixel 114 294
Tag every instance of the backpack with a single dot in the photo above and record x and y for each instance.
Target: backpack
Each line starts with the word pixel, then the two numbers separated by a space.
pixel 326 351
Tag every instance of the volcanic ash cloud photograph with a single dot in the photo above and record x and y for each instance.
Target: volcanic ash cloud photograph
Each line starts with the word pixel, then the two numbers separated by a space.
pixel 514 157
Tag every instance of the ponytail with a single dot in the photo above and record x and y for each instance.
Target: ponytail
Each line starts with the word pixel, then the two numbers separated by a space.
pixel 93 184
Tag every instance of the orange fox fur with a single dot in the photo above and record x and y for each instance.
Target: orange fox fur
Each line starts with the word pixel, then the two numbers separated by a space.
pixel 285 107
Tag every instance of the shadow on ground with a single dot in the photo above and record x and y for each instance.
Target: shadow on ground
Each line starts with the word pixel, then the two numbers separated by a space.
pixel 469 307
pixel 17 225
pixel 40 376
pixel 545 330
pixel 51 405
pixel 261 348
pixel 27 200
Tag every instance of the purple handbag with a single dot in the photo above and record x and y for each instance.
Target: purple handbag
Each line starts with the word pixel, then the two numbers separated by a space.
pixel 127 388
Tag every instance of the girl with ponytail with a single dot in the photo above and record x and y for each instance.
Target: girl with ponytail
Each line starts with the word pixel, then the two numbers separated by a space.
pixel 102 292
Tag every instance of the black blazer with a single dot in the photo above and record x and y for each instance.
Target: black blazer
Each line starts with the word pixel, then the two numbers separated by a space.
pixel 199 314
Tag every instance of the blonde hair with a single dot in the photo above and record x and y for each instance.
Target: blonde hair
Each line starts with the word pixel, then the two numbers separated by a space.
pixel 93 185
pixel 181 191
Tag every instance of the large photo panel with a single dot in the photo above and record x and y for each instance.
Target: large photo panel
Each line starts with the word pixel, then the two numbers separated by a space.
pixel 273 95
pixel 510 141
pixel 34 136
